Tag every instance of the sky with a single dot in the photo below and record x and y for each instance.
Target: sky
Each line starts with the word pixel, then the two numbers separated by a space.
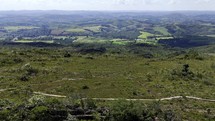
pixel 139 5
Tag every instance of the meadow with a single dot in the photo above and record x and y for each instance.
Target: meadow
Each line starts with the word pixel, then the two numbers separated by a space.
pixel 116 72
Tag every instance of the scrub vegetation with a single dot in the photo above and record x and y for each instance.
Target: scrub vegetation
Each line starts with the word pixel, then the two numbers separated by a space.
pixel 105 66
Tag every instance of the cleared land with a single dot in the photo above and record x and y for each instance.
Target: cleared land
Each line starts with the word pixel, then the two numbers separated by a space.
pixel 162 30
pixel 15 28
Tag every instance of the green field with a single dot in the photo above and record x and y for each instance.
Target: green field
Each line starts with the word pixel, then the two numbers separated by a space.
pixel 93 28
pixel 30 41
pixel 147 38
pixel 60 37
pixel 76 30
pixel 166 38
pixel 211 35
pixel 1 38
pixel 84 39
pixel 84 29
pixel 111 76
pixel 145 35
pixel 92 40
pixel 162 30
pixel 120 42
pixel 15 28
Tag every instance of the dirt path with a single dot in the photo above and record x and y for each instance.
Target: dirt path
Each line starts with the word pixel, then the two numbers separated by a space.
pixel 162 99
pixel 49 95
pixel 2 90
pixel 115 99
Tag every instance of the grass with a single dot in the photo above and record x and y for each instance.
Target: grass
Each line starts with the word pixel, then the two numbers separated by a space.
pixel 211 35
pixel 76 30
pixel 144 38
pixel 112 76
pixel 30 41
pixel 145 35
pixel 93 28
pixel 2 34
pixel 166 38
pixel 87 40
pixel 1 38
pixel 149 41
pixel 92 40
pixel 162 30
pixel 109 75
pixel 186 109
pixel 60 37
pixel 149 38
pixel 208 24
pixel 16 28
pixel 84 29
pixel 120 42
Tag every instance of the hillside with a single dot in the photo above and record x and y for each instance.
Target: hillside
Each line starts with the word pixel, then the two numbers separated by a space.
pixel 61 65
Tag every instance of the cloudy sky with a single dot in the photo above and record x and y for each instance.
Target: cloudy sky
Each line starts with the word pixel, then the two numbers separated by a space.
pixel 107 5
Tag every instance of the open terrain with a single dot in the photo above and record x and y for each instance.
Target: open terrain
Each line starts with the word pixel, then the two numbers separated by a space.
pixel 107 66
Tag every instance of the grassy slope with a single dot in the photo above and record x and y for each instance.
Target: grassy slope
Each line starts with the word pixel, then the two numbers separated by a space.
pixel 83 29
pixel 145 35
pixel 162 30
pixel 30 41
pixel 16 28
pixel 106 76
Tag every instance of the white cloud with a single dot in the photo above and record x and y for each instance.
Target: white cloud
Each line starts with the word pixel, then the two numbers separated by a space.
pixel 107 4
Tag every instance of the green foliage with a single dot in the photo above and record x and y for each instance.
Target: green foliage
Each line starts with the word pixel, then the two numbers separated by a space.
pixel 4 114
pixel 29 72
pixel 145 35
pixel 137 111
pixel 40 113
pixel 85 87
pixel 162 30
pixel 91 104
pixel 184 73
pixel 127 111
pixel 192 54
pixel 67 55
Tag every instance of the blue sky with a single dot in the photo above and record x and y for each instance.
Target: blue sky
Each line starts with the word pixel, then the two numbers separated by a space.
pixel 107 5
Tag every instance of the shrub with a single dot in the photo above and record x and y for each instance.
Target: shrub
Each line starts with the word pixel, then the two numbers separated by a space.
pixel 192 54
pixel 208 82
pixel 184 73
pixel 85 87
pixel 67 55
pixel 24 78
pixel 18 60
pixel 4 114
pixel 40 113
pixel 28 72
pixel 169 115
pixel 138 111
pixel 31 71
pixel 131 111
pixel 90 104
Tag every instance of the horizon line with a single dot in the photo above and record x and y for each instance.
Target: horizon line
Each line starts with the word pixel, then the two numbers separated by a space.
pixel 112 10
